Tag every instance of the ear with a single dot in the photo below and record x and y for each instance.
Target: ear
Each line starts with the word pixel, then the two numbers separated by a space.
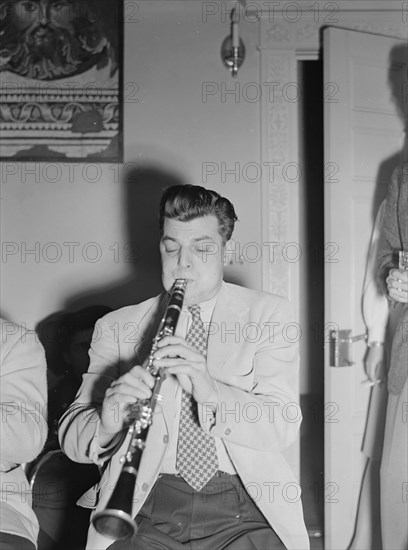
pixel 231 250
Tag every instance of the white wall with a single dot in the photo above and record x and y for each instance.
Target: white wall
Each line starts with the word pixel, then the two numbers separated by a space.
pixel 171 52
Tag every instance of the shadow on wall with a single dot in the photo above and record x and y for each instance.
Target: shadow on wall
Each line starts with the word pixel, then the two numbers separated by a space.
pixel 4 315
pixel 143 187
pixel 397 83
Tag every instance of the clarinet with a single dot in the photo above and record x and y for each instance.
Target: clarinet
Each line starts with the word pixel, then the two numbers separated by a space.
pixel 116 520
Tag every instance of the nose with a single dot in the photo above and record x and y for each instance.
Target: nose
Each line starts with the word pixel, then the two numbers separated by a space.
pixel 43 13
pixel 184 260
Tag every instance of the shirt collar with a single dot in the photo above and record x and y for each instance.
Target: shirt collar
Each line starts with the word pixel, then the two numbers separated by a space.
pixel 205 306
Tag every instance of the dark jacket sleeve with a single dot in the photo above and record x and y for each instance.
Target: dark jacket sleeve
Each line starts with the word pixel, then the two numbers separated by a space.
pixel 390 240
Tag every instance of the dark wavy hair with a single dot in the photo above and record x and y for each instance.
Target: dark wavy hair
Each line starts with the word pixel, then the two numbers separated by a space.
pixel 187 202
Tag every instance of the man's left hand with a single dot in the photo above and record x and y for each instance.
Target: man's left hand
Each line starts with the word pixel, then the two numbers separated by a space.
pixel 188 365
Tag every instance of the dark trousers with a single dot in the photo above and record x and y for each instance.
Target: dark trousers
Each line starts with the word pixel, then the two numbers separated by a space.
pixel 14 542
pixel 58 485
pixel 222 516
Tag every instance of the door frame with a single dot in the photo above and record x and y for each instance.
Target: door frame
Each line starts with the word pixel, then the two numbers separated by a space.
pixel 286 37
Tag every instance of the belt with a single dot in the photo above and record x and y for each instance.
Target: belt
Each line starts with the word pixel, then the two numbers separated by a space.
pixel 218 473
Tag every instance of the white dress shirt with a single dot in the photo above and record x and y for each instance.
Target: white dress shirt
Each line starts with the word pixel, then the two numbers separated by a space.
pixel 375 303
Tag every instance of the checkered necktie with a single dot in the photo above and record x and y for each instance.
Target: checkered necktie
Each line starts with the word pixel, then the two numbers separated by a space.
pixel 196 452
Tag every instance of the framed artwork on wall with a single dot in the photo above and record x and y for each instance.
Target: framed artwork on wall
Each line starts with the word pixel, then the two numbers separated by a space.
pixel 61 80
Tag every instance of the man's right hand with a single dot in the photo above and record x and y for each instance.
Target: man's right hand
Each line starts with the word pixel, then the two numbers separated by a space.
pixel 374 363
pixel 397 285
pixel 124 391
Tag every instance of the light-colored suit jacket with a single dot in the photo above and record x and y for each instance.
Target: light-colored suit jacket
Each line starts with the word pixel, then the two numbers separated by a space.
pixel 23 396
pixel 252 356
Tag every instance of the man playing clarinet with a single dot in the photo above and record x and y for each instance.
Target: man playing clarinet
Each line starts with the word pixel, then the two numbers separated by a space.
pixel 212 475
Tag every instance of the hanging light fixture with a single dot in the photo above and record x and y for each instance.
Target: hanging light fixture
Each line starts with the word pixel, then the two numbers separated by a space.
pixel 233 48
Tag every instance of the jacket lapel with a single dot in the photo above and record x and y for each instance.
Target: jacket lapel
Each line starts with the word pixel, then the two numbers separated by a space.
pixel 225 338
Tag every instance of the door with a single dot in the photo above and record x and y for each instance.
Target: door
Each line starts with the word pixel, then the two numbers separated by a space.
pixel 363 136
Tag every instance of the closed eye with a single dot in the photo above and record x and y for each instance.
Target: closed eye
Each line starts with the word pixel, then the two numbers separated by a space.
pixel 171 250
pixel 205 249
